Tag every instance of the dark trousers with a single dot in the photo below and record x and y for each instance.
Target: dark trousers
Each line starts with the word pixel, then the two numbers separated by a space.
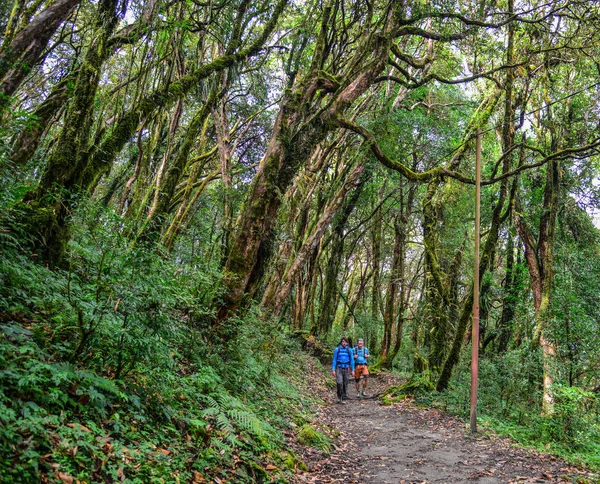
pixel 342 376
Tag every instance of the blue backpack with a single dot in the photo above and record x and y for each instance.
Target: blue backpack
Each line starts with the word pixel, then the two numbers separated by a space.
pixel 364 350
pixel 340 348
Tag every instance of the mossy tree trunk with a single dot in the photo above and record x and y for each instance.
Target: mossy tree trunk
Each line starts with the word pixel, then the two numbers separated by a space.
pixel 275 301
pixel 510 299
pixel 396 275
pixel 65 172
pixel 539 258
pixel 28 140
pixel 193 188
pixel 166 184
pixel 376 237
pixel 332 268
pixel 133 201
pixel 226 150
pixel 23 50
pixel 153 196
pixel 436 288
pixel 296 134
pixel 354 296
pixel 300 201
pixel 398 290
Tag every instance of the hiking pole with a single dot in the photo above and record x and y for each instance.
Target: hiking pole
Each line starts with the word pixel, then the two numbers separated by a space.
pixel 475 331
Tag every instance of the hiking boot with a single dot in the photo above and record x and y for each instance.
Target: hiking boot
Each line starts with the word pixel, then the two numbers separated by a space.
pixel 342 401
pixel 339 400
pixel 364 394
pixel 357 394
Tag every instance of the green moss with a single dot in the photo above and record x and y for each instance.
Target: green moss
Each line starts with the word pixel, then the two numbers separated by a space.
pixel 300 420
pixel 255 471
pixel 417 383
pixel 292 462
pixel 310 437
pixel 330 77
pixel 45 221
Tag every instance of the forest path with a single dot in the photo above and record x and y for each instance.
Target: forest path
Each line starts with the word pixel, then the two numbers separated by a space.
pixel 403 443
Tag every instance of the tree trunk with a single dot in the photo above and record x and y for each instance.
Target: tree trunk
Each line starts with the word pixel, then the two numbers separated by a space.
pixel 28 139
pixel 188 200
pixel 26 47
pixel 396 276
pixel 67 164
pixel 401 227
pixel 510 297
pixel 376 270
pixel 295 135
pixel 328 304
pixel 166 184
pixel 225 153
pixel 350 313
pixel 275 302
pixel 541 272
pixel 436 290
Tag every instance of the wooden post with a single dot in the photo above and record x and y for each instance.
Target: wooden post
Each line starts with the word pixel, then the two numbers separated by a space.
pixel 475 332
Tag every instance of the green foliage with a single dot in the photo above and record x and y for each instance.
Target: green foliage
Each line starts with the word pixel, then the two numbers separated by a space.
pixel 510 403
pixel 575 308
pixel 107 370
pixel 575 421
pixel 293 463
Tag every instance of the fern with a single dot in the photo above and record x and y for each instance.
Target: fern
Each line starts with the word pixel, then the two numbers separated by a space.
pixel 224 424
pixel 221 445
pixel 248 422
pixel 213 403
pixel 210 412
pixel 227 401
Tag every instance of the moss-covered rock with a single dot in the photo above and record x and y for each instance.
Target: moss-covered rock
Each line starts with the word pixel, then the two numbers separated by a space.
pixel 293 463
pixel 417 383
pixel 310 437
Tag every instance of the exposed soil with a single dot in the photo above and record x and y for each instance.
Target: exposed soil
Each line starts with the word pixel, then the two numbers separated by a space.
pixel 403 443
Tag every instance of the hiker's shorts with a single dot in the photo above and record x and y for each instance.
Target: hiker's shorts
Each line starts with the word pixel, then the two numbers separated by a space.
pixel 361 370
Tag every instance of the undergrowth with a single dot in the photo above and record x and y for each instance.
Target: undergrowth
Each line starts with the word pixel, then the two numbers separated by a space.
pixel 108 371
pixel 508 403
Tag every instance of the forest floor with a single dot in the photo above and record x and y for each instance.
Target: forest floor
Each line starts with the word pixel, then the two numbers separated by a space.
pixel 404 443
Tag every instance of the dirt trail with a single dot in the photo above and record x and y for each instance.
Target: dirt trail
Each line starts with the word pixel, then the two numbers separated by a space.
pixel 404 444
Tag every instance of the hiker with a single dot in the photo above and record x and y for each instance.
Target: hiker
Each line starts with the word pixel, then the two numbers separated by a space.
pixel 341 366
pixel 361 354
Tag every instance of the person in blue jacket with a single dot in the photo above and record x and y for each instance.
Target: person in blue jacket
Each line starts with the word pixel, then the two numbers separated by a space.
pixel 341 367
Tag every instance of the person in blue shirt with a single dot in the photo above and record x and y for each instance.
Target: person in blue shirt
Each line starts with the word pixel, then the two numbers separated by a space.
pixel 341 368
pixel 361 354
